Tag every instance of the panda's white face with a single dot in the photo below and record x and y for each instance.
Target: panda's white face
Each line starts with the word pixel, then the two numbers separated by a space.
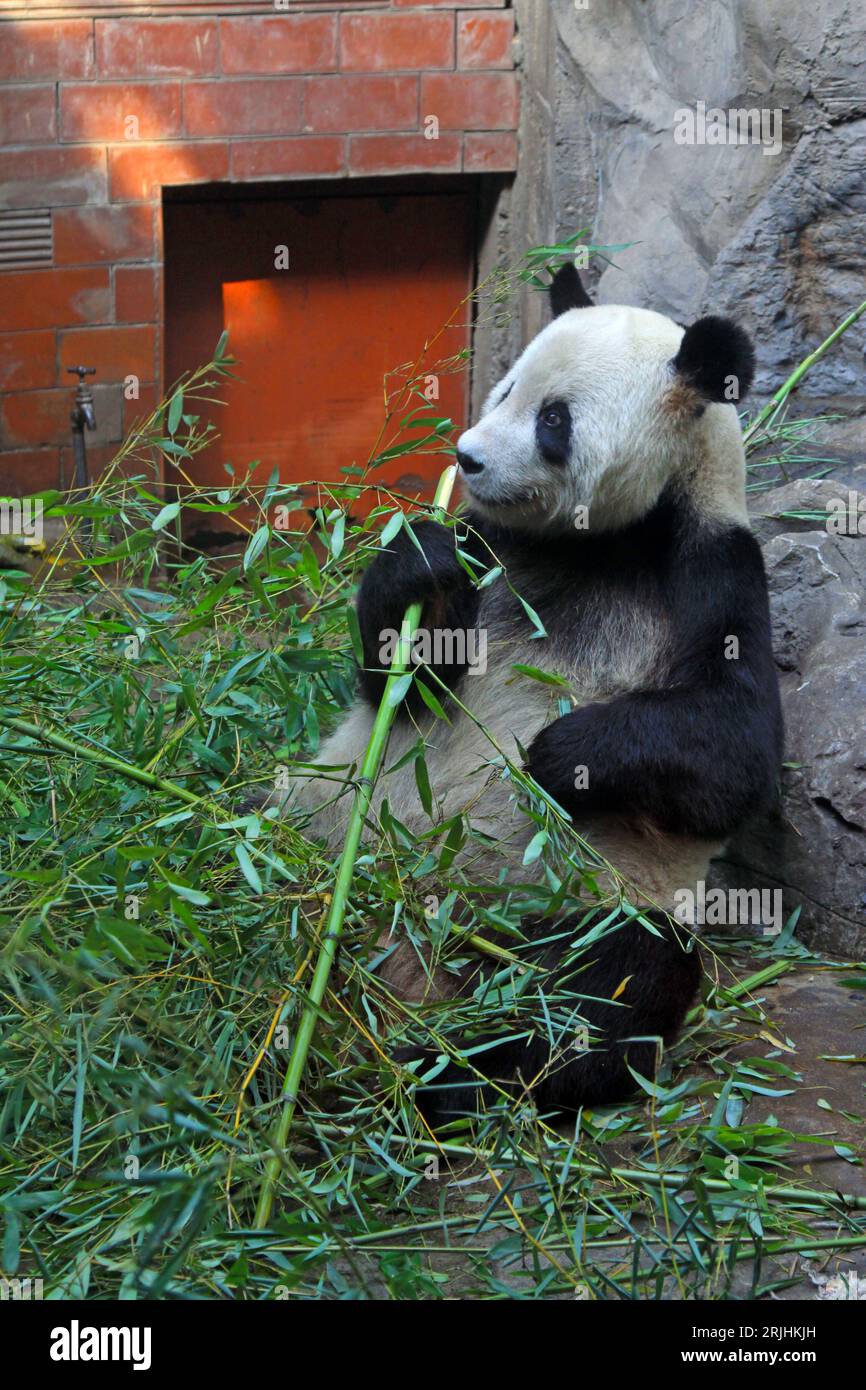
pixel 589 425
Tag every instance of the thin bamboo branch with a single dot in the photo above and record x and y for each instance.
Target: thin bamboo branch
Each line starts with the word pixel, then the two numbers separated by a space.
pixel 339 900
pixel 797 375
pixel 108 760
pixel 655 1177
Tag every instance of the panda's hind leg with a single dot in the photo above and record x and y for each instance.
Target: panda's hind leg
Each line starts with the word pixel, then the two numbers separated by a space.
pixel 654 979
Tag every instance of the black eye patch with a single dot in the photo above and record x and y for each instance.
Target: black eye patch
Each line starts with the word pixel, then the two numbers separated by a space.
pixel 553 431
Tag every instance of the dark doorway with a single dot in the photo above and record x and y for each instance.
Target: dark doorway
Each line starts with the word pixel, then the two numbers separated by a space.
pixel 324 293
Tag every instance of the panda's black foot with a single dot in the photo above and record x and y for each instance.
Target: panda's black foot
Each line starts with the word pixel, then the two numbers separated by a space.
pixel 453 1091
pixel 256 801
pixel 629 993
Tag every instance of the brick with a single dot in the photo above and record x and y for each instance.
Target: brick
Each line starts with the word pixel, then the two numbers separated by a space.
pixel 98 459
pixel 131 47
pixel 135 294
pixel 53 298
pixel 304 155
pixel 51 177
pixel 493 152
pixel 253 106
pixel 389 43
pixel 104 111
pixel 35 417
pixel 471 100
pixel 450 4
pixel 29 470
pixel 137 172
pixel 361 103
pixel 133 410
pixel 278 44
pixel 484 40
pixel 114 352
pixel 403 154
pixel 42 417
pixel 27 361
pixel 27 115
pixel 46 48
pixel 83 236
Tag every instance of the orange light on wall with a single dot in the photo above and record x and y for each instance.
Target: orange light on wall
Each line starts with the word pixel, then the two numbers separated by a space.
pixel 370 282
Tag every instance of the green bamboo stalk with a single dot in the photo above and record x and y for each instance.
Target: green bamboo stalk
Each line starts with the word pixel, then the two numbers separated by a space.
pixel 797 375
pixel 755 981
pixel 826 1197
pixel 107 760
pixel 382 1240
pixel 340 896
pixel 760 978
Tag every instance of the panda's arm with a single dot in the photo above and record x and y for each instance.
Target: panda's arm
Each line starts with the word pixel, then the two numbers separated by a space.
pixel 702 753
pixel 402 575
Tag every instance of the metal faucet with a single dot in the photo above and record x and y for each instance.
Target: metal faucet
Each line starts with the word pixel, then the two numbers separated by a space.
pixel 82 418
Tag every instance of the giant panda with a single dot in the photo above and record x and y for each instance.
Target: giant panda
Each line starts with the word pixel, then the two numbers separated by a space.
pixel 606 476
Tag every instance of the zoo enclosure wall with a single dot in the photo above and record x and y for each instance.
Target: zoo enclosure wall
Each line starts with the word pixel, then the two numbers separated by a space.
pixel 104 107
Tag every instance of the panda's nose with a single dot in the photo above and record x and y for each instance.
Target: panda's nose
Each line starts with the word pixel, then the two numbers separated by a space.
pixel 468 463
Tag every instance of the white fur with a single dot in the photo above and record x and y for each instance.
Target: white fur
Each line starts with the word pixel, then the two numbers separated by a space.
pixel 635 428
pixel 612 365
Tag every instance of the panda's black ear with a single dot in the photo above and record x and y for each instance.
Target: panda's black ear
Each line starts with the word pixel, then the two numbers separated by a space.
pixel 717 358
pixel 567 292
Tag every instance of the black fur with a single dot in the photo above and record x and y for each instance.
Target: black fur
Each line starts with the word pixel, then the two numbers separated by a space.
pixel 566 291
pixel 399 576
pixel 701 753
pixel 695 752
pixel 663 974
pixel 554 441
pixel 713 351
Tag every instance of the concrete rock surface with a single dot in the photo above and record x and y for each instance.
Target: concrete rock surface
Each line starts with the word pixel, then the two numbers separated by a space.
pixel 815 849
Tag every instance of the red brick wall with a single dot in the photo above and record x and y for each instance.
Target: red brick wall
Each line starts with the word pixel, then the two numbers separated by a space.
pixel 96 114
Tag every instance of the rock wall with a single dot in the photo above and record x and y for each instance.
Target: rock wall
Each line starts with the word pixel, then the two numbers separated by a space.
pixel 773 235
pixel 772 232
pixel 815 848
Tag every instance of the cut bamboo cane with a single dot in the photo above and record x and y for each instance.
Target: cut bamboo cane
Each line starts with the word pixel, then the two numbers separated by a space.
pixel 342 884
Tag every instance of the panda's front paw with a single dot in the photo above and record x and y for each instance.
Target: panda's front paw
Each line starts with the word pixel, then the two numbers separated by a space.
pixel 553 761
pixel 421 568
pixel 410 569
pixel 405 572
pixel 427 560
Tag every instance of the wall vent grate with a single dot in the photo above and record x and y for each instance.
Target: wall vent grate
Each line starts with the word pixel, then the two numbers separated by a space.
pixel 25 238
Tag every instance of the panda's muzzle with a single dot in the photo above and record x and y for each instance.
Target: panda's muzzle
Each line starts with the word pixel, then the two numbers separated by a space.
pixel 468 463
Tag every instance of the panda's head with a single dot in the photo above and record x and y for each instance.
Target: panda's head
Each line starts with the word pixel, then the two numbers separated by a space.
pixel 606 408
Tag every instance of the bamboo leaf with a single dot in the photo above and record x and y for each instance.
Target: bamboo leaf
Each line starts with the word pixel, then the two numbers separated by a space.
pixel 546 677
pixel 255 546
pixel 163 517
pixel 175 411
pixel 248 868
pixel 390 530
